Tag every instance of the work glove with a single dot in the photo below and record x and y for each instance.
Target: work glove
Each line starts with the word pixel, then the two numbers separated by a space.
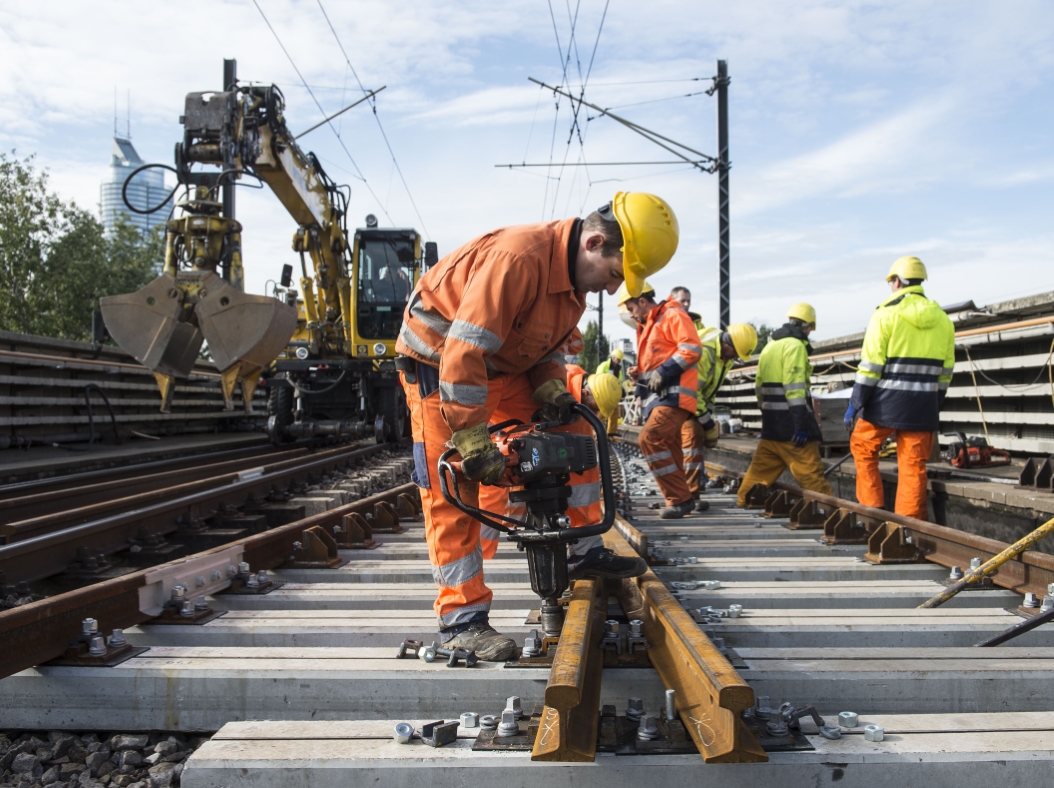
pixel 800 438
pixel 556 401
pixel 655 381
pixel 480 459
pixel 850 414
pixel 711 433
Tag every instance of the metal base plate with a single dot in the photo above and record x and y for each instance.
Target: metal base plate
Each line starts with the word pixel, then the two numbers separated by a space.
pixel 116 658
pixel 489 741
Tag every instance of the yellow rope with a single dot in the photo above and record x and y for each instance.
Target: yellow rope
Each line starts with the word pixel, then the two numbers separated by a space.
pixel 977 392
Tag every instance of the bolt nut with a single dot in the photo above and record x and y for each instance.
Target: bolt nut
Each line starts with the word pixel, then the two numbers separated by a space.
pixel 975 563
pixel 712 585
pixel 488 722
pixel 252 582
pixel 648 730
pixel 1048 603
pixel 532 644
pixel 508 725
pixel 874 733
pixel 1050 590
pixel 470 720
pixel 201 603
pixel 404 731
pixel 178 592
pixel 734 611
pixel 216 575
pixel 956 573
pixel 117 638
pixel 97 647
pixel 848 719
pixel 635 708
pixel 513 704
pixel 199 580
pixel 611 630
pixel 89 625
pixel 1031 600
pixel 261 577
pixel 635 627
pixel 243 567
pixel 187 610
pixel 297 545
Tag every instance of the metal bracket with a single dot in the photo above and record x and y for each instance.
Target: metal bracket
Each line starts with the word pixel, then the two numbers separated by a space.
pixel 355 533
pixel 807 514
pixel 315 550
pixel 439 733
pixel 890 544
pixel 847 527
pixel 757 496
pixel 384 519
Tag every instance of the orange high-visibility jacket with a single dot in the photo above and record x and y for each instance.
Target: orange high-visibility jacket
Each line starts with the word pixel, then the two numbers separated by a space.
pixel 502 303
pixel 668 343
pixel 576 377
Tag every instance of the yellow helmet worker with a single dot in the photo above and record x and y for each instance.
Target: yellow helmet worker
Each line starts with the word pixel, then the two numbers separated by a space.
pixel 905 269
pixel 606 391
pixel 803 312
pixel 744 338
pixel 649 235
pixel 624 296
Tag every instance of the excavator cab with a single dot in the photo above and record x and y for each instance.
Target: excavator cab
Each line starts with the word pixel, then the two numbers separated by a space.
pixel 386 269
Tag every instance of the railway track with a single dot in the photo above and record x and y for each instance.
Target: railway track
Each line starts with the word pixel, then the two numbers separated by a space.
pixel 302 685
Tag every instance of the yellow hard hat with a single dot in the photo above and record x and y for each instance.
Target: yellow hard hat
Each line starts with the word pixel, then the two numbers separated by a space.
pixel 606 391
pixel 649 236
pixel 626 317
pixel 617 353
pixel 623 295
pixel 803 312
pixel 744 338
pixel 907 268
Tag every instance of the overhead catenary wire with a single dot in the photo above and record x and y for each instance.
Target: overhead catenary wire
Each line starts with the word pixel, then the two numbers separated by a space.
pixel 380 125
pixel 318 104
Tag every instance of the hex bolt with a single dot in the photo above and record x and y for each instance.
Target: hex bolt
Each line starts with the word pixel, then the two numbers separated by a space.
pixel 252 581
pixel 243 567
pixel 975 563
pixel 734 611
pixel 488 722
pixel 1050 589
pixel 1048 603
pixel 848 719
pixel 692 559
pixel 712 585
pixel 178 592
pixel 532 645
pixel 97 647
pixel 719 643
pixel 635 627
pixel 874 733
pixel 611 630
pixel 956 573
pixel 648 730
pixel 1031 600
pixel 201 604
pixel 117 638
pixel 297 546
pixel 513 704
pixel 508 725
pixel 89 625
pixel 199 580
pixel 635 708
pixel 469 719
pixel 761 707
pixel 404 731
pixel 232 570
pixel 671 705
pixel 216 575
pixel 187 610
pixel 261 577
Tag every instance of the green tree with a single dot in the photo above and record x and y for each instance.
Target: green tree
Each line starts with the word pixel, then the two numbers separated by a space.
pixel 597 347
pixel 764 332
pixel 55 259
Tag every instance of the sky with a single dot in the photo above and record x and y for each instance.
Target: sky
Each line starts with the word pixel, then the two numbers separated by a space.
pixel 859 131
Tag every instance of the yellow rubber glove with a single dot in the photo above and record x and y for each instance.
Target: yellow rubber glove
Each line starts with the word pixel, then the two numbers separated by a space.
pixel 480 459
pixel 556 402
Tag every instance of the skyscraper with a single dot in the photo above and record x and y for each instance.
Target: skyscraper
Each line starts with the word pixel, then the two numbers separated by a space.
pixel 146 190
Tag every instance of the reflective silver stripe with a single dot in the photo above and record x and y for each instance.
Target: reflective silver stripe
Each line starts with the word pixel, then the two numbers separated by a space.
pixel 876 368
pixel 943 385
pixel 694 466
pixel 558 357
pixel 664 470
pixel 690 348
pixel 584 494
pixel 462 394
pixel 475 335
pixel 693 452
pixel 661 455
pixel 681 390
pixel 682 362
pixel 416 344
pixel 796 402
pixel 914 369
pixel 908 385
pixel 644 405
pixel 794 387
pixel 775 406
pixel 462 615
pixel 864 380
pixel 771 388
pixel 460 571
pixel 949 370
pixel 436 322
pixel 488 533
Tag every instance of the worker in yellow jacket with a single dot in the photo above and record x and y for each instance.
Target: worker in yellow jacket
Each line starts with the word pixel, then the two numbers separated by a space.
pixel 789 432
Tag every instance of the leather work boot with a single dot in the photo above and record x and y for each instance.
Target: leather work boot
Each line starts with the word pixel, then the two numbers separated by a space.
pixel 489 644
pixel 602 562
pixel 701 505
pixel 677 511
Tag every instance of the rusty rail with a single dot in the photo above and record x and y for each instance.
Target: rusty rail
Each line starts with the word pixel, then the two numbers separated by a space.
pixel 40 631
pixel 711 695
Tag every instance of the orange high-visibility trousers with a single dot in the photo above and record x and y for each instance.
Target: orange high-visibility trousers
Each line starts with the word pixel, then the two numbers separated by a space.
pixel 771 458
pixel 913 450
pixel 454 547
pixel 692 437
pixel 660 443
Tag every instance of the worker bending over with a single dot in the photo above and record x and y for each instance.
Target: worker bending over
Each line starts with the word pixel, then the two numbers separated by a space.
pixel 789 432
pixel 905 367
pixel 601 394
pixel 615 365
pixel 719 350
pixel 667 354
pixel 481 342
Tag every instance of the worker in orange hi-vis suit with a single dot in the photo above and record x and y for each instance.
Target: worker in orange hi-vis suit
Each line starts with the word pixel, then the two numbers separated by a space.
pixel 667 353
pixel 481 342
pixel 601 394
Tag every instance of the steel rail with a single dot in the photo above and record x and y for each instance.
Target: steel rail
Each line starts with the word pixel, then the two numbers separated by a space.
pixel 42 556
pixel 39 511
pixel 34 633
pixel 710 695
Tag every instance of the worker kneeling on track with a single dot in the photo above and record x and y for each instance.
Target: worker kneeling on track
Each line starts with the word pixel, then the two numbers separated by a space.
pixel 482 342
pixel 667 354
pixel 720 349
pixel 601 394
pixel 905 367
pixel 789 432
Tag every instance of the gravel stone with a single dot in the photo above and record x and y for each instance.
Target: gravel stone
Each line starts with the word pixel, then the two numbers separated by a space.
pixel 77 754
pixel 60 746
pixel 71 770
pixel 24 762
pixel 153 759
pixel 138 784
pixel 128 741
pixel 105 768
pixel 97 759
pixel 89 738
pixel 166 747
pixel 129 758
pixel 164 775
pixel 50 777
pixel 175 757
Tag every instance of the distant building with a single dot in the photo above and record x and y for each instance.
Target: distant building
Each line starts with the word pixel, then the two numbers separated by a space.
pixel 146 190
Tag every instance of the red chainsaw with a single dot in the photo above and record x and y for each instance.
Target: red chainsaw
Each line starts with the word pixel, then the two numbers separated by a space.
pixel 973 452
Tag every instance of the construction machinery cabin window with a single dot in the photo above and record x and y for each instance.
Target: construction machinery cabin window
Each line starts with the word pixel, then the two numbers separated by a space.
pixel 386 277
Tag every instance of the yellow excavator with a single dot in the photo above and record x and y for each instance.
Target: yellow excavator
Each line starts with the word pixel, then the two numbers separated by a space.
pixel 326 352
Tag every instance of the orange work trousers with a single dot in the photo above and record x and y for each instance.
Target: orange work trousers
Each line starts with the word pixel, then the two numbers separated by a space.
pixel 660 442
pixel 692 436
pixel 913 450
pixel 454 547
